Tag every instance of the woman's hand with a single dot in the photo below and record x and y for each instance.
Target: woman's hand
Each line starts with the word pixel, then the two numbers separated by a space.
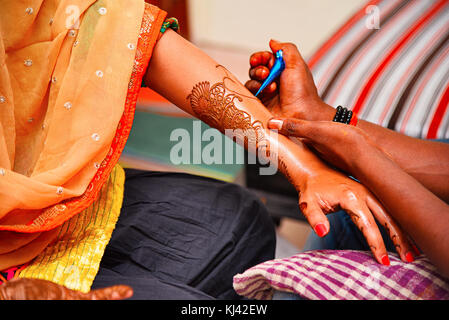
pixel 294 94
pixel 340 145
pixel 36 289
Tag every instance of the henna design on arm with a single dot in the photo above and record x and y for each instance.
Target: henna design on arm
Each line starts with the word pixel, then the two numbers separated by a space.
pixel 215 105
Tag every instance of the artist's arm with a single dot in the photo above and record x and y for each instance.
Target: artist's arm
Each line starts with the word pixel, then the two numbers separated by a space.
pixel 296 96
pixel 197 84
pixel 422 215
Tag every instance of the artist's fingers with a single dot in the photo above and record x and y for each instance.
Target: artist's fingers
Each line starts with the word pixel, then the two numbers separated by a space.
pixel 297 128
pixel 253 86
pixel 264 58
pixel 118 292
pixel 401 242
pixel 290 51
pixel 259 73
pixel 363 219
pixel 314 215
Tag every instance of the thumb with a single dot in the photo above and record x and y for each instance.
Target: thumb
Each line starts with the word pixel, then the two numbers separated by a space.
pixel 290 51
pixel 292 127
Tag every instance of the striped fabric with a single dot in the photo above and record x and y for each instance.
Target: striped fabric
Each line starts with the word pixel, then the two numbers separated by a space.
pixel 396 75
pixel 343 275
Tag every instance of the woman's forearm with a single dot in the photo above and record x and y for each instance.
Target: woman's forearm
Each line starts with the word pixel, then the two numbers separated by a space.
pixel 421 214
pixel 222 102
pixel 194 82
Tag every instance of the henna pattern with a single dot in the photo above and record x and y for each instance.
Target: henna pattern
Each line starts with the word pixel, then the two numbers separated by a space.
pixel 215 105
pixel 393 237
pixel 285 171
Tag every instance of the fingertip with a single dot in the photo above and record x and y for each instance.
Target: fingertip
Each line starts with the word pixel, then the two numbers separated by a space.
pixel 321 229
pixel 275 124
pixel 274 44
pixel 260 58
pixel 385 260
pixel 254 60
pixel 409 257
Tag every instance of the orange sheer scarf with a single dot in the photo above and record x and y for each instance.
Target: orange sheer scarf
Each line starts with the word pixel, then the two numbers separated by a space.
pixel 70 72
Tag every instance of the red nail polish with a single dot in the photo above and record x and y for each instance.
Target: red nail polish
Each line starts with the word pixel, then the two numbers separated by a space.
pixel 385 260
pixel 320 229
pixel 409 257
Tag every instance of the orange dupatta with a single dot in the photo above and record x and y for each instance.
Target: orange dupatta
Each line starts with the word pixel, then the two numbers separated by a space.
pixel 67 101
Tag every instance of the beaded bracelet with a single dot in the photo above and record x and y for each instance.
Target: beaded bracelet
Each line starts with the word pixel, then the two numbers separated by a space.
pixel 344 115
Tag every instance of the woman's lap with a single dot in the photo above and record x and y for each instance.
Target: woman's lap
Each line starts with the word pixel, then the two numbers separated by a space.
pixel 184 237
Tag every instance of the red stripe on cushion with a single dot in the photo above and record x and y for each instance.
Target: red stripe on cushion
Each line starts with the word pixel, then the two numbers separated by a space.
pixel 347 26
pixel 420 23
pixel 438 116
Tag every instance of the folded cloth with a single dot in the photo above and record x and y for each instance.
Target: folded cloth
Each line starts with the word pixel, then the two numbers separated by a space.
pixel 343 275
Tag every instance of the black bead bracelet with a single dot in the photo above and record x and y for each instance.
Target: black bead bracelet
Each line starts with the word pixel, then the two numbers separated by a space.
pixel 343 115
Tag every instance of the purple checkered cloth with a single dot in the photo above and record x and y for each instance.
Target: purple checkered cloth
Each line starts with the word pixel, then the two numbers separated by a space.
pixel 343 275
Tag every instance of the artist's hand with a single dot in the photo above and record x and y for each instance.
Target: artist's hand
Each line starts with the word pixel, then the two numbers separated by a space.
pixel 340 145
pixel 36 289
pixel 294 94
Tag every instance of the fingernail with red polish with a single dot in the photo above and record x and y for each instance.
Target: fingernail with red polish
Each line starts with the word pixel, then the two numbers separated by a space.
pixel 385 260
pixel 320 229
pixel 275 124
pixel 409 257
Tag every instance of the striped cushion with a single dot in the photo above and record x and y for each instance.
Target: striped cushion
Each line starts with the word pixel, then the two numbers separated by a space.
pixel 397 75
pixel 343 275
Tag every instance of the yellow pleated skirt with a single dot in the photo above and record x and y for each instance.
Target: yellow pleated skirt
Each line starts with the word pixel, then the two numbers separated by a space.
pixel 73 259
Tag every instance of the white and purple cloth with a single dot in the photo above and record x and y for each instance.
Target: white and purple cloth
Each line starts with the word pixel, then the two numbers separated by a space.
pixel 343 275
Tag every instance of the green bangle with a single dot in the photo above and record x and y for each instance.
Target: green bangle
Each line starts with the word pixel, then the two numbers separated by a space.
pixel 171 23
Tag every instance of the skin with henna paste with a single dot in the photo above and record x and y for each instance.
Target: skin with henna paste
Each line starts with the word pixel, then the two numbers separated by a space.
pixel 37 289
pixel 215 106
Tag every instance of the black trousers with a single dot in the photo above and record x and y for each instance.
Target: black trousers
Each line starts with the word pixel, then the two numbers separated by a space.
pixel 181 236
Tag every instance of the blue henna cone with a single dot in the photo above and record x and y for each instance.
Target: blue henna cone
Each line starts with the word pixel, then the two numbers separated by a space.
pixel 278 67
